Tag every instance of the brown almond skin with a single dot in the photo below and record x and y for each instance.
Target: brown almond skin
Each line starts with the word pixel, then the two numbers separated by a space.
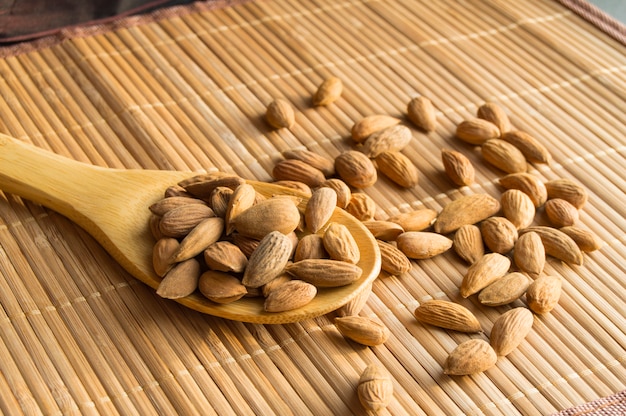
pixel 242 198
pixel 470 357
pixel 383 230
pixel 585 239
pixel 529 254
pixel 310 246
pixel 421 112
pixel 569 190
pixel 162 253
pixel 468 243
pixel 504 156
pixel 178 222
pixel 203 186
pixel 280 114
pixel 458 167
pixel 558 244
pixel 180 281
pixel 340 244
pixel 297 185
pixel 375 389
pixel 544 293
pixel 219 200
pixel 289 296
pixel 390 139
pixel 448 315
pixel 221 287
pixel 341 189
pixel 202 236
pixel 485 271
pixel 494 113
pixel 422 244
pixel 416 220
pixel 328 91
pixel 518 208
pixel 530 147
pixel 361 206
pixel 499 234
pixel 326 165
pixel 393 261
pixel 363 330
pixel 268 260
pixel 510 329
pixel 297 170
pixel 320 208
pixel 468 209
pixel 225 256
pixel 528 183
pixel 476 131
pixel 505 290
pixel 356 169
pixel 166 204
pixel 397 167
pixel 560 212
pixel 273 214
pixel 363 128
pixel 325 272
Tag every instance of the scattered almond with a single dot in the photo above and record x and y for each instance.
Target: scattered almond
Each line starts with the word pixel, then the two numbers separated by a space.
pixel 567 189
pixel 327 166
pixel 458 167
pixel 510 329
pixel 320 208
pixel 558 244
pixel 273 214
pixel 528 183
pixel 268 260
pixel 499 234
pixel 560 212
pixel 297 170
pixel 180 281
pixel 389 139
pixel 483 272
pixel 383 230
pixel 530 147
pixel 397 167
pixel 393 261
pixel 476 131
pixel 340 244
pixel 448 315
pixel 505 290
pixel 375 388
pixel 341 189
pixel 362 329
pixel 280 113
pixel 529 254
pixel 416 220
pixel 361 206
pixel 470 357
pixel 468 209
pixel 356 169
pixel 328 91
pixel 586 240
pixel 421 112
pixel 366 126
pixel 468 243
pixel 518 208
pixel 544 293
pixel 422 244
pixel 494 113
pixel 289 296
pixel 325 272
pixel 503 156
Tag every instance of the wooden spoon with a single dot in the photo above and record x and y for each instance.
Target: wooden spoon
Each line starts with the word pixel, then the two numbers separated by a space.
pixel 112 206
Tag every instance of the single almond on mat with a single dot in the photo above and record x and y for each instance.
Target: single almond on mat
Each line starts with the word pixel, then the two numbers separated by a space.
pixel 470 357
pixel 448 315
pixel 510 329
pixel 468 209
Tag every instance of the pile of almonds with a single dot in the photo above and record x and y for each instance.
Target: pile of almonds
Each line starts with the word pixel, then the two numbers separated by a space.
pixel 504 251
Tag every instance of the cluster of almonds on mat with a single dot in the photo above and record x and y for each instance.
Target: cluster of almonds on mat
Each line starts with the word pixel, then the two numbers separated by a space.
pixel 216 234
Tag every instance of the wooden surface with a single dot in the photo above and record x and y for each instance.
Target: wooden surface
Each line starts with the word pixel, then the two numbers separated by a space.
pixel 186 89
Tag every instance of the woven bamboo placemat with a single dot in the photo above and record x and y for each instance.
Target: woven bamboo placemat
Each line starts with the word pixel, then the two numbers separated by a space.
pixel 187 89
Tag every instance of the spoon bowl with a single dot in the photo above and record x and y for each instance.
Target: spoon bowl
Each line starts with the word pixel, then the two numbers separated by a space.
pixel 112 206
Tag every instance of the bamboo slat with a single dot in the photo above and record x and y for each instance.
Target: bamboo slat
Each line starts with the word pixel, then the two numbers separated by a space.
pixel 186 88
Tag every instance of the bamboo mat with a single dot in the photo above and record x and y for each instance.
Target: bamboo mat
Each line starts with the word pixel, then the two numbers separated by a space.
pixel 187 89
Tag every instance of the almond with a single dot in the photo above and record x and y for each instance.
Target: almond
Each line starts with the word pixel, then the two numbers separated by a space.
pixel 416 220
pixel 325 272
pixel 310 246
pixel 242 198
pixel 383 230
pixel 219 200
pixel 560 212
pixel 247 245
pixel 166 204
pixel 320 208
pixel 154 224
pixel 205 185
pixel 280 113
pixel 470 357
pixel 393 261
pixel 268 260
pixel 375 388
pixel 468 209
pixel 326 165
pixel 221 287
pixel 505 290
pixel 499 234
pixel 397 167
pixel 328 91
pixel 529 254
pixel 503 156
pixel 362 329
pixel 162 253
pixel 586 240
pixel 518 208
pixel 361 206
pixel 558 244
pixel 274 214
pixel 356 169
pixel 468 243
pixel 422 244
pixel 341 189
pixel 297 170
pixel 510 329
pixel 180 281
pixel 340 244
pixel 448 315
pixel 458 167
pixel 527 183
pixel 476 131
pixel 494 113
pixel 289 296
pixel 530 147
pixel 567 189
pixel 482 273
pixel 544 293
pixel 363 128
pixel 203 235
pixel 421 112
pixel 178 222
pixel 225 256
pixel 389 139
